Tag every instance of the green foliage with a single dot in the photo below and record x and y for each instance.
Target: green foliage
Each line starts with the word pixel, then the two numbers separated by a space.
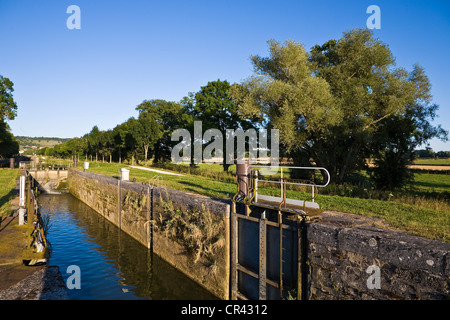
pixel 332 103
pixel 8 110
pixel 335 106
pixel 8 107
pixel 200 232
pixel 214 107
pixel 9 146
pixel 162 118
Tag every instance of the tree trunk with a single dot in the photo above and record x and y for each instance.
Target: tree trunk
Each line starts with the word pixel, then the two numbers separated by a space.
pixel 146 152
pixel 343 171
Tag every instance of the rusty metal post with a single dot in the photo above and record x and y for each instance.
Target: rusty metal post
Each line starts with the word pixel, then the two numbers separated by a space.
pixel 262 256
pixel 301 264
pixel 30 204
pixel 242 172
pixel 234 251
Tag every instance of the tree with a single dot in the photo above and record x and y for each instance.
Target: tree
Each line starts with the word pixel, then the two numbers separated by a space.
pixel 398 135
pixel 8 107
pixel 443 154
pixel 148 131
pixel 425 153
pixel 167 116
pixel 9 146
pixel 107 144
pixel 94 141
pixel 328 103
pixel 216 109
pixel 119 137
pixel 8 110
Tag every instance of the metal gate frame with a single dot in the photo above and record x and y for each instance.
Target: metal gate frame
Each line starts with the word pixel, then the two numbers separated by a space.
pixel 249 199
pixel 263 280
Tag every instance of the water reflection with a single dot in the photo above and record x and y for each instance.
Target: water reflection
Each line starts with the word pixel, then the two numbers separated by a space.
pixel 113 265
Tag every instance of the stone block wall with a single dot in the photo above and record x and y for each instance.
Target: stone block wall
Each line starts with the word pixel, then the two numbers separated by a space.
pixel 189 231
pixel 350 257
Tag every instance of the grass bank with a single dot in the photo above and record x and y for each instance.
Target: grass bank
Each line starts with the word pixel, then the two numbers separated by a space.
pixel 416 214
pixel 8 179
pixel 433 162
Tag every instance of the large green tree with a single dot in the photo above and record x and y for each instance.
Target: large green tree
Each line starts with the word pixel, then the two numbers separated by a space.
pixel 330 103
pixel 397 136
pixel 215 108
pixel 164 117
pixel 94 142
pixel 148 130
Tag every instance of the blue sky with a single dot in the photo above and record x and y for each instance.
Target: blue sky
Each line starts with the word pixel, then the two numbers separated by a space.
pixel 67 81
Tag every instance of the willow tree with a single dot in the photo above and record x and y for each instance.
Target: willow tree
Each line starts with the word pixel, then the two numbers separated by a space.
pixel 328 103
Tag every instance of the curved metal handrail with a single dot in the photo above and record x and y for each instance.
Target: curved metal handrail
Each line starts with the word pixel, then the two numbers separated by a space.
pixel 292 167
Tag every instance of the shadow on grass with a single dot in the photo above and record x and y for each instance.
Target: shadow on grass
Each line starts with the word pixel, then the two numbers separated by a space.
pixel 201 189
pixel 7 197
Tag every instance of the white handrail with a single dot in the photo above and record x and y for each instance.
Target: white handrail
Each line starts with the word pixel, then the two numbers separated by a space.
pixel 313 185
pixel 296 183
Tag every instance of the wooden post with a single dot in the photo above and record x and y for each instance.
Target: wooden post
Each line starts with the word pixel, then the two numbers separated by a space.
pixel 149 220
pixel 119 203
pixel 234 253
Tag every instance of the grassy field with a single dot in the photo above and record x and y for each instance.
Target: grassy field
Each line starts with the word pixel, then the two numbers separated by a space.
pixel 8 179
pixel 413 210
pixel 433 162
pixel 432 182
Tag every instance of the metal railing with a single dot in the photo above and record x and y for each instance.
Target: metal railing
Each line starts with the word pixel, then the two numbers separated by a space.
pixel 33 217
pixel 44 165
pixel 257 178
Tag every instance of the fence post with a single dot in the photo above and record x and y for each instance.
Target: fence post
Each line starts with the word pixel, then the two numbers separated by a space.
pixel 119 202
pixel 22 198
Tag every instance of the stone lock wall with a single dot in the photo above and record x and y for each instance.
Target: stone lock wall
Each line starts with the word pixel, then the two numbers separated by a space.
pixel 347 256
pixel 189 231
pixel 350 257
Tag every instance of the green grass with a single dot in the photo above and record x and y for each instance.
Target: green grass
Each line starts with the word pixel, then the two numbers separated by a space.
pixel 190 183
pixel 432 182
pixel 417 215
pixel 8 179
pixel 433 162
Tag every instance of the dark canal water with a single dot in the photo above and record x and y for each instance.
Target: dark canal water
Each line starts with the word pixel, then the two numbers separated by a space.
pixel 113 266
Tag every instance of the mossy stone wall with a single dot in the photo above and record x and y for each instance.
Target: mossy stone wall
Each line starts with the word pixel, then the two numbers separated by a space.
pixel 189 231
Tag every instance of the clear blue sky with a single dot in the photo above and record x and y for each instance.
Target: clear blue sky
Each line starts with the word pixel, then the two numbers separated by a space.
pixel 67 81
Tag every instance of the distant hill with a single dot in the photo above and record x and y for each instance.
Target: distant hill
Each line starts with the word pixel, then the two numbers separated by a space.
pixel 27 143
